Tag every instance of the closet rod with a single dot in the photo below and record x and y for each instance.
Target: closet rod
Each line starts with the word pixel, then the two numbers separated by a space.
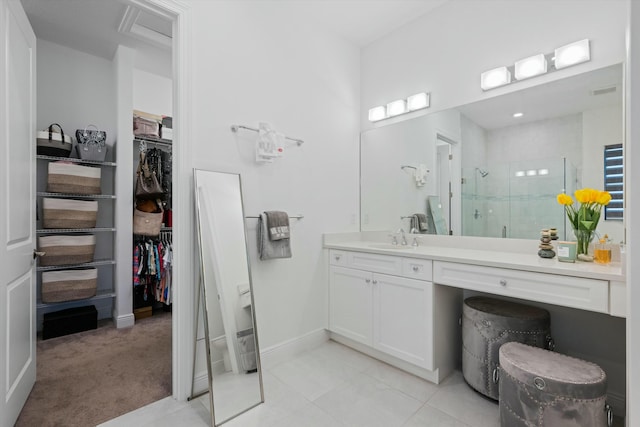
pixel 235 128
pixel 151 141
pixel 290 216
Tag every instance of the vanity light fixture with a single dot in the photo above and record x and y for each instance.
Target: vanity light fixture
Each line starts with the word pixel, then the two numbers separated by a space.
pixel 530 67
pixel 571 54
pixel 518 115
pixel 543 171
pixel 418 101
pixel 400 106
pixel 532 172
pixel 377 113
pixel 565 56
pixel 495 78
pixel 520 173
pixel 396 107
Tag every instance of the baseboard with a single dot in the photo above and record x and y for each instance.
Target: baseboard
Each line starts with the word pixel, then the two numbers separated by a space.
pixel 200 383
pixel 276 354
pixel 124 321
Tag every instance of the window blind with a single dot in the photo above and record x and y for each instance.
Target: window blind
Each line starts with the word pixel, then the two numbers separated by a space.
pixel 614 181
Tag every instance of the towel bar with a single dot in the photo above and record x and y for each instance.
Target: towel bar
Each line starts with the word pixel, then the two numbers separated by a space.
pixel 235 128
pixel 290 216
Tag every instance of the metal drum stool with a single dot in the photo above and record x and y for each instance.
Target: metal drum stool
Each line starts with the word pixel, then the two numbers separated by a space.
pixel 487 323
pixel 542 388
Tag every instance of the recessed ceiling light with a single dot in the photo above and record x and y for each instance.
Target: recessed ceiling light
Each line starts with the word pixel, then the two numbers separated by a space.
pixel 516 115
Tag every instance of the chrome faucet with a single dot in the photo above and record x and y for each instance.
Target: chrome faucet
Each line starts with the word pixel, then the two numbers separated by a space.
pixel 414 230
pixel 394 240
pixel 404 239
pixel 415 242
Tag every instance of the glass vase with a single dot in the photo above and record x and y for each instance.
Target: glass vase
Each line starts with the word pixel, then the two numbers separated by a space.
pixel 584 238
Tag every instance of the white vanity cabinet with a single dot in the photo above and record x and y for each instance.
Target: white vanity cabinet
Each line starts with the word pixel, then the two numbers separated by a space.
pixel 388 304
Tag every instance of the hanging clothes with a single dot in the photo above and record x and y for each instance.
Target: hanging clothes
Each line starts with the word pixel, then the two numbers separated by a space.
pixel 152 260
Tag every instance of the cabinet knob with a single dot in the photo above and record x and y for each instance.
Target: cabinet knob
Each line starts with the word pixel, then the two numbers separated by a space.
pixel 503 282
pixel 367 280
pixel 337 257
pixel 375 282
pixel 416 268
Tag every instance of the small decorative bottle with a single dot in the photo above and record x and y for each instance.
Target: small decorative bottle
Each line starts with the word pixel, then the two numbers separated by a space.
pixel 546 248
pixel 602 252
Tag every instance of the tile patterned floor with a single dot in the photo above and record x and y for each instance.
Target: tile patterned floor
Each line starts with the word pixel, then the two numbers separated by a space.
pixel 333 385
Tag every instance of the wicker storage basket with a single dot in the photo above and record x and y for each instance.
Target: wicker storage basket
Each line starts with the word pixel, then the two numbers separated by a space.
pixel 546 389
pixel 69 285
pixel 69 213
pixel 65 250
pixel 70 178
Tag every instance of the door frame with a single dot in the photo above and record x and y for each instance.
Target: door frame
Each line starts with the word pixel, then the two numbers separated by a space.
pixel 184 271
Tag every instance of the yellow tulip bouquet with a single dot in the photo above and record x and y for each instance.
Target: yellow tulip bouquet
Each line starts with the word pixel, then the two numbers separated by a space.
pixel 584 220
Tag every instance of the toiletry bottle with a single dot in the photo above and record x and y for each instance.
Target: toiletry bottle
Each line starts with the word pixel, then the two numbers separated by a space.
pixel 602 254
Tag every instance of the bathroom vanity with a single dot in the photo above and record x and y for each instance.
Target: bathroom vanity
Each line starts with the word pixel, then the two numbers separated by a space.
pixel 401 304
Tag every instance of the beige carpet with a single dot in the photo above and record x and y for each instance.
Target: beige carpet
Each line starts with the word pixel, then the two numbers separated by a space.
pixel 88 378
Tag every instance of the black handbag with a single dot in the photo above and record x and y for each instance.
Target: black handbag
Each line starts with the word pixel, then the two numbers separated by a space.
pixel 51 143
pixel 147 184
pixel 92 143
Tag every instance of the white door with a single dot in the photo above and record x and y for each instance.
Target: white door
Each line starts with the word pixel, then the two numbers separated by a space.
pixel 17 214
pixel 350 304
pixel 402 318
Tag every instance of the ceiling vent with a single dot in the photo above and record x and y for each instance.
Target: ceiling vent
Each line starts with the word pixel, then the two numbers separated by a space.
pixel 146 26
pixel 604 90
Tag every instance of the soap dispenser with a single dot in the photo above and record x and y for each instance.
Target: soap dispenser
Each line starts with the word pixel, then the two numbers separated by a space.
pixel 602 253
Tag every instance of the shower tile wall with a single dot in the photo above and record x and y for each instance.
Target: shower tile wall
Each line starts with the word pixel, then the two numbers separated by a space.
pixel 502 203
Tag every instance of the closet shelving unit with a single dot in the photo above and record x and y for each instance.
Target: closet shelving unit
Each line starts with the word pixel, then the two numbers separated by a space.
pixel 101 294
pixel 166 145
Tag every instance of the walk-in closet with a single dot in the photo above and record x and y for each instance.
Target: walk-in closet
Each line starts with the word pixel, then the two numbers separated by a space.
pixel 105 254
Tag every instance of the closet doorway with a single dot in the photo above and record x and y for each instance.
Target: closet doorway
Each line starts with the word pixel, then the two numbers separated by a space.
pixel 35 10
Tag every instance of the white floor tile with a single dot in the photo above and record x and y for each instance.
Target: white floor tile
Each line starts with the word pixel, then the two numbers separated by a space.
pixel 334 386
pixel 428 416
pixel 455 398
pixel 369 403
pixel 313 375
pixel 407 383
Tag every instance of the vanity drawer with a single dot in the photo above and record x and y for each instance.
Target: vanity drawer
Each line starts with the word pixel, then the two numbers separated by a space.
pixel 414 268
pixel 337 257
pixel 375 263
pixel 577 292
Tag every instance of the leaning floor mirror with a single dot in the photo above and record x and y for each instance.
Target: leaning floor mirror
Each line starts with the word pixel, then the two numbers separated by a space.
pixel 233 365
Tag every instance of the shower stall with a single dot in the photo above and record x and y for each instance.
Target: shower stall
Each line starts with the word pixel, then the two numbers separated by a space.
pixel 516 199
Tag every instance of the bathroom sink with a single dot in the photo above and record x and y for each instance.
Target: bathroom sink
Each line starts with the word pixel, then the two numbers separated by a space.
pixel 389 246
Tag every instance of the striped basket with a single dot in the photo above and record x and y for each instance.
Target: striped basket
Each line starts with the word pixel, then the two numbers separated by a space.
pixel 65 250
pixel 69 285
pixel 69 213
pixel 65 177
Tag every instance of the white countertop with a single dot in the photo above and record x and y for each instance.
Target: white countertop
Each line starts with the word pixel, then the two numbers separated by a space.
pixel 501 253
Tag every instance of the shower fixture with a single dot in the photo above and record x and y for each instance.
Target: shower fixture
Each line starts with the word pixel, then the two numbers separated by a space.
pixel 483 173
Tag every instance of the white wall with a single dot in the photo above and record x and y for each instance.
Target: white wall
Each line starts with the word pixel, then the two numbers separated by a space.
pixel 444 52
pixel 76 89
pixel 253 63
pixel 152 93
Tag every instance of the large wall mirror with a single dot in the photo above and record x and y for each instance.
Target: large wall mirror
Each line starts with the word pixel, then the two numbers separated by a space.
pixel 505 168
pixel 235 379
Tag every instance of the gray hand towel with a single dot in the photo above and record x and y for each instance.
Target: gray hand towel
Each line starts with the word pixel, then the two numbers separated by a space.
pixel 278 225
pixel 270 249
pixel 419 222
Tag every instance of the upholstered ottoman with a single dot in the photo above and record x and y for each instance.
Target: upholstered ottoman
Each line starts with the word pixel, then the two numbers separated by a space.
pixel 542 388
pixel 487 323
